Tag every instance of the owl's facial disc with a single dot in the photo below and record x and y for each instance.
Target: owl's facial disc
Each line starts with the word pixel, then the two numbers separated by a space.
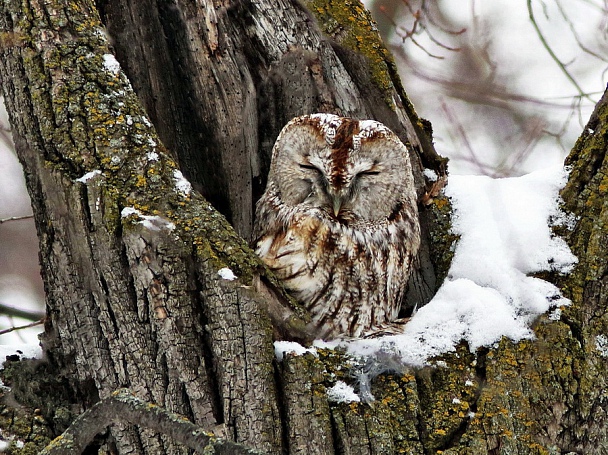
pixel 334 189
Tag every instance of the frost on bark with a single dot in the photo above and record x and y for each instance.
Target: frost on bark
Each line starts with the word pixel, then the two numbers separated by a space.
pixel 131 256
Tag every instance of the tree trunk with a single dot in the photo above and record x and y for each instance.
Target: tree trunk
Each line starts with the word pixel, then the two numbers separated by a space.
pixel 130 256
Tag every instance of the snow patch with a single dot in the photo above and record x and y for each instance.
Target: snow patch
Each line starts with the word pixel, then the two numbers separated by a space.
pixel 128 211
pixel 88 176
pixel 151 222
pixel 152 156
pixel 430 174
pixel 601 343
pixel 290 347
pixel 342 393
pixel 226 274
pixel 556 314
pixel 23 351
pixel 182 185
pixel 111 64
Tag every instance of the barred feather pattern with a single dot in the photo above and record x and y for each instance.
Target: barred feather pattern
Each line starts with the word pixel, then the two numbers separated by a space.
pixel 338 222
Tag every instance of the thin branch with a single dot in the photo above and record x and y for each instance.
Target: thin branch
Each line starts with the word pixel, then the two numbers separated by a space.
pixel 11 311
pixel 440 44
pixel 508 167
pixel 575 34
pixel 420 46
pixel 414 12
pixel 420 17
pixel 461 133
pixel 552 54
pixel 26 326
pixel 601 9
pixel 16 218
pixel 7 139
pixel 470 91
pixel 123 406
pixel 431 20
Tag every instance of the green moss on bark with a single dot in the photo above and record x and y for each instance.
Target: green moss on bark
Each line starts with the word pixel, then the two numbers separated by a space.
pixel 351 25
pixel 442 242
pixel 90 119
pixel 43 409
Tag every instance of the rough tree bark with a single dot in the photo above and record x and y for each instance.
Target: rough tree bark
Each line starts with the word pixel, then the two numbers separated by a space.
pixel 130 256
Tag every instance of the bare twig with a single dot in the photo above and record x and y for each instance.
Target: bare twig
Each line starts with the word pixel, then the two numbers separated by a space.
pixel 26 326
pixel 600 9
pixel 422 18
pixel 15 218
pixel 470 91
pixel 575 34
pixel 422 48
pixel 8 310
pixel 552 54
pixel 462 135
pixel 508 167
pixel 444 46
pixel 5 136
pixel 431 20
pixel 123 406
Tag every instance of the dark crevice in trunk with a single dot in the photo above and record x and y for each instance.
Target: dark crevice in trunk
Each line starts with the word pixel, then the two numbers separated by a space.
pixel 335 433
pixel 480 365
pixel 196 144
pixel 86 217
pixel 576 327
pixel 164 367
pixel 456 436
pixel 421 425
pixel 124 261
pixel 282 406
pixel 210 369
pixel 112 317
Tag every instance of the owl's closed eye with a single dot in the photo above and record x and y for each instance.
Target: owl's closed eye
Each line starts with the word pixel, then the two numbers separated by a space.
pixel 338 222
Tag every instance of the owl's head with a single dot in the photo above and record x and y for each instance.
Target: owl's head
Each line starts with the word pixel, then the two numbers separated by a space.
pixel 353 171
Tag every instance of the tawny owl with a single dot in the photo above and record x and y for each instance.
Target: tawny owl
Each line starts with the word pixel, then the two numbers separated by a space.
pixel 338 222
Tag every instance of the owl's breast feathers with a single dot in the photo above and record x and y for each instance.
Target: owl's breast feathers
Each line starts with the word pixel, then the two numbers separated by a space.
pixel 350 279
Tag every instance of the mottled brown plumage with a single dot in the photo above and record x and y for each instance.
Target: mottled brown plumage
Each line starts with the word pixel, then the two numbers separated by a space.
pixel 338 222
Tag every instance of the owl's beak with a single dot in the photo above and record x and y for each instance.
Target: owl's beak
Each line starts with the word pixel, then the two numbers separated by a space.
pixel 337 200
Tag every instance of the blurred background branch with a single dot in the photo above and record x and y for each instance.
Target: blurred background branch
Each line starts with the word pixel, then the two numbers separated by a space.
pixel 30 315
pixel 496 78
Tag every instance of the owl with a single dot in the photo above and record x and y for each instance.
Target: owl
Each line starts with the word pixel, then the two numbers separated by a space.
pixel 338 221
